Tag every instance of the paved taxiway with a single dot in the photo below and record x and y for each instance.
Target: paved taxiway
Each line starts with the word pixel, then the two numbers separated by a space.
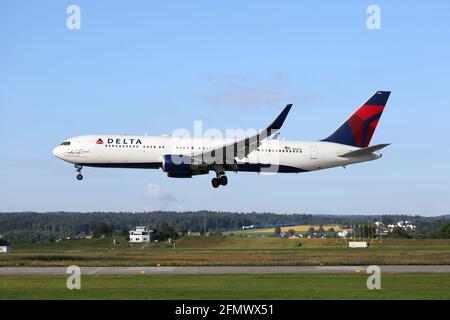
pixel 219 270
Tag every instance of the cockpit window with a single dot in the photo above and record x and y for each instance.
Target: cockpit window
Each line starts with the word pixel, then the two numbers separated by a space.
pixel 66 143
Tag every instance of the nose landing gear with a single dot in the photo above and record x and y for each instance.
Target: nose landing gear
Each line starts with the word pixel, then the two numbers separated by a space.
pixel 220 180
pixel 79 175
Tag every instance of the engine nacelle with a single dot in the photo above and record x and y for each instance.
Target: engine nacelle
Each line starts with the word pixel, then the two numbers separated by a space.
pixel 177 166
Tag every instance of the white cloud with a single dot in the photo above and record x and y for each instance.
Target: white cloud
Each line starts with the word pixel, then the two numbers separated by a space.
pixel 156 192
pixel 246 91
pixel 247 96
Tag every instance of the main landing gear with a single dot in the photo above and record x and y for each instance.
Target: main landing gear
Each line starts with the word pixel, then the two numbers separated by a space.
pixel 79 175
pixel 220 180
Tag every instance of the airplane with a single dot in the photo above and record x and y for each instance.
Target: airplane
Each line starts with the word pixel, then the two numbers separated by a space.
pixel 181 157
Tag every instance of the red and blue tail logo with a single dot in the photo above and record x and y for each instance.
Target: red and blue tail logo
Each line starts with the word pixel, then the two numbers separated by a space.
pixel 359 128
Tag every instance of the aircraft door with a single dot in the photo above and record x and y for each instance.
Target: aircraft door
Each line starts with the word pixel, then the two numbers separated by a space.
pixel 313 153
pixel 85 147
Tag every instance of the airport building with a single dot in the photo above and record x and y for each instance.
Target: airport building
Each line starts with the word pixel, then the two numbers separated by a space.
pixel 5 249
pixel 140 234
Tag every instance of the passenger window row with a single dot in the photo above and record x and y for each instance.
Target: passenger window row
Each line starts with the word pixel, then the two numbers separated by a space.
pixel 297 150
pixel 282 150
pixel 192 148
pixel 132 146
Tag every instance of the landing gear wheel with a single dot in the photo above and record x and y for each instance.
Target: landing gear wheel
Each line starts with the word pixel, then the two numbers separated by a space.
pixel 215 182
pixel 223 180
pixel 79 167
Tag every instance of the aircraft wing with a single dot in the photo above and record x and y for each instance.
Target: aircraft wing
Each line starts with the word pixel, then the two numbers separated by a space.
pixel 225 154
pixel 364 151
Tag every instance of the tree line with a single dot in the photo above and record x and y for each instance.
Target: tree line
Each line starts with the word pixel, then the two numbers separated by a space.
pixel 35 226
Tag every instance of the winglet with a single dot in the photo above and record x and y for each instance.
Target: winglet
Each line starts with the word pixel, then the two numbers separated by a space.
pixel 278 122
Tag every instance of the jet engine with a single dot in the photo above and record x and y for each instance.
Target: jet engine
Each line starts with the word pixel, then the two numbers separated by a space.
pixel 177 166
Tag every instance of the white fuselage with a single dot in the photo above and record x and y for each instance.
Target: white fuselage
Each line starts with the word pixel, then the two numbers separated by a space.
pixel 123 151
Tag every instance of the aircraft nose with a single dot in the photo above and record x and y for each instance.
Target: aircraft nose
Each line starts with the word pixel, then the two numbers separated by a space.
pixel 57 152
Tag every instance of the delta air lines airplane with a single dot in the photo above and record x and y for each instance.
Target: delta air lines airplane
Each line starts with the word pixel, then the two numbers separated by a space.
pixel 181 157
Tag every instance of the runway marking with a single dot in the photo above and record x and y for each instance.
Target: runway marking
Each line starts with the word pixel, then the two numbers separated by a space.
pixel 93 271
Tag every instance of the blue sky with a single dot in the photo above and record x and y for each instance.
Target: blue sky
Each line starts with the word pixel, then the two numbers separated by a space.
pixel 154 66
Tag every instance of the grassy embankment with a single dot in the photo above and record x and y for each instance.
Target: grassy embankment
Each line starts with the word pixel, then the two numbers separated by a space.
pixel 228 250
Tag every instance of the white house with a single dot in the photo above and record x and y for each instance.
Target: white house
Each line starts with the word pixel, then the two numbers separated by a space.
pixel 342 234
pixel 140 234
pixel 5 249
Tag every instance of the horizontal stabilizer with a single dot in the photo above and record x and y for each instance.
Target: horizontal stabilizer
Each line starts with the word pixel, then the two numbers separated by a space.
pixel 364 151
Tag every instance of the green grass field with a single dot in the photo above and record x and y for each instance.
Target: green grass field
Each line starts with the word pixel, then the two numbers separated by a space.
pixel 228 250
pixel 302 286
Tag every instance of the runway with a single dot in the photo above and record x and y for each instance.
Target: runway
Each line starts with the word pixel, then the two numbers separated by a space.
pixel 54 271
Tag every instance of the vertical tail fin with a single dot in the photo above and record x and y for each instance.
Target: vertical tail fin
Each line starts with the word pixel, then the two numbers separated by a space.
pixel 358 129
